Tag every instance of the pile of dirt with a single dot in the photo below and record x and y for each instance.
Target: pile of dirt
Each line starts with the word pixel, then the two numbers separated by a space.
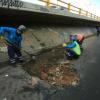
pixel 54 69
pixel 61 74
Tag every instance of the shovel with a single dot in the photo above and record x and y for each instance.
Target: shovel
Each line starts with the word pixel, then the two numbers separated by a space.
pixel 32 57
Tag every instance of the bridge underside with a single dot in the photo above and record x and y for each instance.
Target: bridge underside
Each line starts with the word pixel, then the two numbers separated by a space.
pixel 13 17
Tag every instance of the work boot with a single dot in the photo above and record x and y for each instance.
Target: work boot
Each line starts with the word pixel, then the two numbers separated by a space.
pixel 12 61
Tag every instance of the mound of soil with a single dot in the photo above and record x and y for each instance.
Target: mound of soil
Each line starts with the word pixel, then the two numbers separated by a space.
pixel 53 68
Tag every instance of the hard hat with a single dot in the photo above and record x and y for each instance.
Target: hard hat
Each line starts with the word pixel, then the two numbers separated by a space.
pixel 73 37
pixel 64 44
pixel 22 28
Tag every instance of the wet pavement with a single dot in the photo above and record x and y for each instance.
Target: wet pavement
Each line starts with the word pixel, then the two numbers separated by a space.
pixel 13 84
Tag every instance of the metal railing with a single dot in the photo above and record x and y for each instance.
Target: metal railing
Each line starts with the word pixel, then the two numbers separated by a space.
pixel 71 8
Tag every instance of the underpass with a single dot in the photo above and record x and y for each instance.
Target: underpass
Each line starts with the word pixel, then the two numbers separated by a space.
pixel 44 32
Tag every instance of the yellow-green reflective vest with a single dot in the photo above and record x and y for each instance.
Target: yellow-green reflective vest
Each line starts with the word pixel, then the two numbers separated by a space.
pixel 77 49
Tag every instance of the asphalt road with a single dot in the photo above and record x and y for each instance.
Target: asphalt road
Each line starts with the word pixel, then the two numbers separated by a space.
pixel 13 86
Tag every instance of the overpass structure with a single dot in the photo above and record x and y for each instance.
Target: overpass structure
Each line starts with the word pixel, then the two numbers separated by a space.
pixel 42 38
pixel 53 20
pixel 19 11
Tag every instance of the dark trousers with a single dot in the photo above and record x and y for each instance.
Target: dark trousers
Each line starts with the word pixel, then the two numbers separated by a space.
pixel 98 32
pixel 12 51
pixel 71 54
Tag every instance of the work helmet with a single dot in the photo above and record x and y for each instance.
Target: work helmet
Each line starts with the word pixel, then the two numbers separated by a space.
pixel 73 37
pixel 22 28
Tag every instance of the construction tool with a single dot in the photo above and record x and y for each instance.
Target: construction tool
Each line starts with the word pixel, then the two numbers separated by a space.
pixel 32 57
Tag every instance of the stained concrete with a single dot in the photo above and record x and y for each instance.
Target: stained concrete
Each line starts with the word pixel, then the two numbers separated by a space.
pixel 42 37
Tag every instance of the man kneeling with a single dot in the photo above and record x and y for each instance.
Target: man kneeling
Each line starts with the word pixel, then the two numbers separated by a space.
pixel 72 49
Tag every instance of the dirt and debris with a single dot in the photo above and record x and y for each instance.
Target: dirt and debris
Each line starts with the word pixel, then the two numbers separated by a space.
pixel 60 75
pixel 53 68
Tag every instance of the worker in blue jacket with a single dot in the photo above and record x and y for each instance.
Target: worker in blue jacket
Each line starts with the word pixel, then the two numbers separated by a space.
pixel 72 49
pixel 13 39
pixel 79 38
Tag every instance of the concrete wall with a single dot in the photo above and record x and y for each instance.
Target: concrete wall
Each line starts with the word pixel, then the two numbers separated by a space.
pixel 38 38
pixel 41 37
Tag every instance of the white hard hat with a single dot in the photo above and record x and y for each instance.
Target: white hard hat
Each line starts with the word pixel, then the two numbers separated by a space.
pixel 22 28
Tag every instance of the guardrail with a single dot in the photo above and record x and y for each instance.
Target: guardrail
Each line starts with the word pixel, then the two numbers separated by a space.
pixel 59 4
pixel 71 8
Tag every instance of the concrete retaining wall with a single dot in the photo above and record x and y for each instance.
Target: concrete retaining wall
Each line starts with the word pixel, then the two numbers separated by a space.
pixel 37 38
pixel 41 38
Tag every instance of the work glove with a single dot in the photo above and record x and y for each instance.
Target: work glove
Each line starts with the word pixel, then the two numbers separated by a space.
pixel 64 44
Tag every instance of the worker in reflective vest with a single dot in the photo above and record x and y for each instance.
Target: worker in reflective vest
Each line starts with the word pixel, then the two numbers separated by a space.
pixel 72 49
pixel 79 38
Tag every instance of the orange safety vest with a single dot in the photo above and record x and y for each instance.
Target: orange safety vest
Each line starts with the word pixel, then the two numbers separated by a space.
pixel 80 37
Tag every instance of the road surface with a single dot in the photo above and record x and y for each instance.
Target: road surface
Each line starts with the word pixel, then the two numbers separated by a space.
pixel 14 87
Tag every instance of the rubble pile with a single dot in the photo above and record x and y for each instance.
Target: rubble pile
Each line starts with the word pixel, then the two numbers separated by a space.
pixel 53 68
pixel 60 74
